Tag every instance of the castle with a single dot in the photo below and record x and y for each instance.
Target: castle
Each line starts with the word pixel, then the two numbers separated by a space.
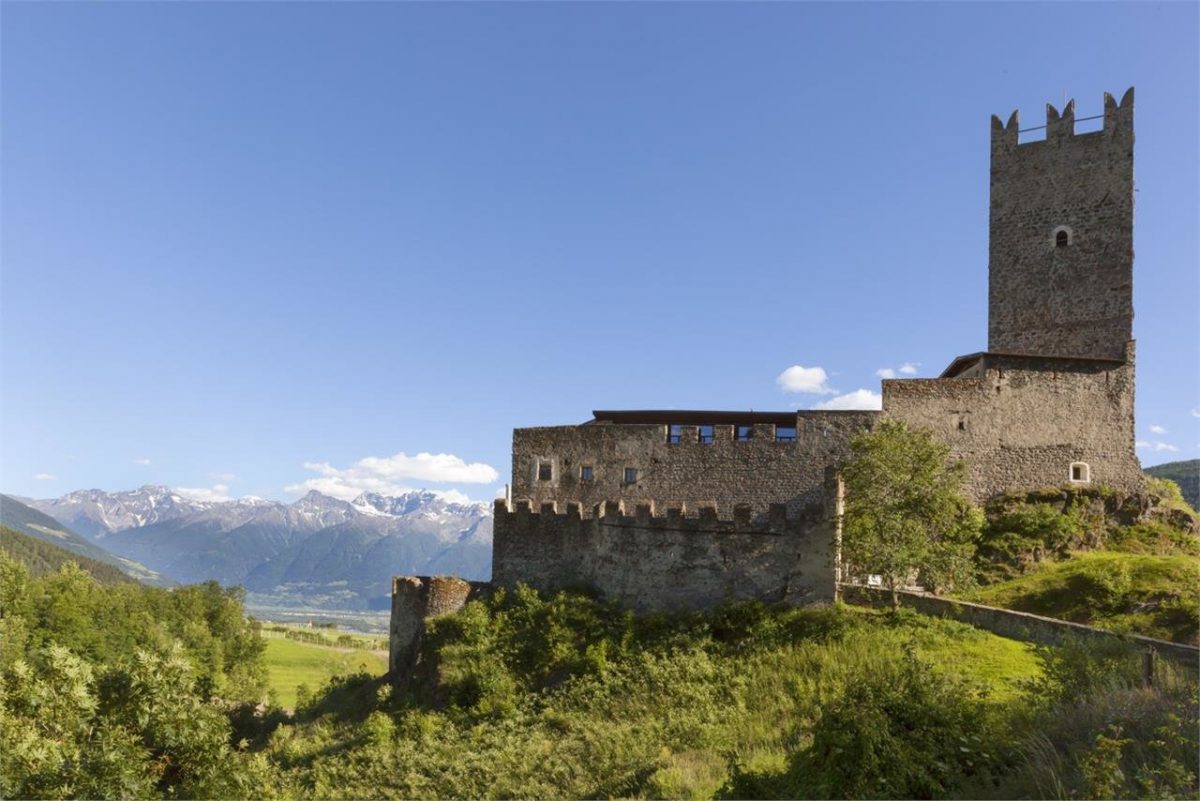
pixel 675 510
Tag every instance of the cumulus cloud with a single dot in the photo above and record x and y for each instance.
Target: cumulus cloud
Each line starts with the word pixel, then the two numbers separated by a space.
pixel 1157 429
pixel 214 494
pixel 143 462
pixel 1156 446
pixel 858 399
pixel 809 380
pixel 908 368
pixel 395 475
pixel 44 477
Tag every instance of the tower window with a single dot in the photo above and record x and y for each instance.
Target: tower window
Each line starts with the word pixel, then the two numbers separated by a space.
pixel 630 475
pixel 585 472
pixel 705 433
pixel 785 433
pixel 674 434
pixel 1063 236
pixel 1081 473
pixel 744 433
pixel 545 471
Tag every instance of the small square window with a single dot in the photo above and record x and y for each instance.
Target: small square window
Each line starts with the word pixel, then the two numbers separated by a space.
pixel 545 471
pixel 585 473
pixel 745 433
pixel 630 475
pixel 785 433
pixel 705 433
pixel 1081 473
pixel 674 434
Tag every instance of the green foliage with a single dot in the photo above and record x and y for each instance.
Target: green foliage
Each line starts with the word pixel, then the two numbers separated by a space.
pixel 112 691
pixel 42 558
pixel 906 516
pixel 903 732
pixel 1158 596
pixel 1185 475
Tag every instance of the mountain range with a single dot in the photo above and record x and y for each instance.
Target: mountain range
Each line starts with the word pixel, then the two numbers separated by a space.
pixel 318 552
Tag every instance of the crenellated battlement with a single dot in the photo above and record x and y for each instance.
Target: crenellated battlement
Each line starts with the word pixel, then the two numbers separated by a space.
pixel 664 557
pixel 675 516
pixel 1060 126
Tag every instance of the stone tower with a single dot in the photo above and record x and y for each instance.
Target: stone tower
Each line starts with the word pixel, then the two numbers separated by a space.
pixel 1060 263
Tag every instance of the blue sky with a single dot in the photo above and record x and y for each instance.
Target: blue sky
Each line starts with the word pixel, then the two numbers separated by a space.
pixel 247 246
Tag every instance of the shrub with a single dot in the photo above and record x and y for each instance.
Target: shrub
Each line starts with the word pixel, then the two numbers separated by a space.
pixel 904 732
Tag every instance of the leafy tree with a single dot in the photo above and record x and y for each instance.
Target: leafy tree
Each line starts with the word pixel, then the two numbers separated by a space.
pixel 906 516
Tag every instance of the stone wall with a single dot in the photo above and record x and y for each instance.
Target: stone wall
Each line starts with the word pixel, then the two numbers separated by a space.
pixel 1067 301
pixel 1019 423
pixel 723 474
pixel 649 562
pixel 415 599
pixel 1016 625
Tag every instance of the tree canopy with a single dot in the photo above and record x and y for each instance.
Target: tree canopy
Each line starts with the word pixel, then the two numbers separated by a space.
pixel 906 517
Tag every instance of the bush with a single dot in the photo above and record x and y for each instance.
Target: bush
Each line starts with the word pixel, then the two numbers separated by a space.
pixel 907 733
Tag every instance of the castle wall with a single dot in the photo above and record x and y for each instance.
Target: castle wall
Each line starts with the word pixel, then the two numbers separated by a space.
pixel 1020 423
pixel 665 563
pixel 1075 300
pixel 721 474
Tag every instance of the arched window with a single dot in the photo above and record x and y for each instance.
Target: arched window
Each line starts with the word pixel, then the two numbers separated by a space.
pixel 1081 473
pixel 1063 236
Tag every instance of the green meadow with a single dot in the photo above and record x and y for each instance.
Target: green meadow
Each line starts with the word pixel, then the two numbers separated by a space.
pixel 291 664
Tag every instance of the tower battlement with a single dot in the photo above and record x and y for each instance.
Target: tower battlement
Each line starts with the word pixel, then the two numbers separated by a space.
pixel 1060 261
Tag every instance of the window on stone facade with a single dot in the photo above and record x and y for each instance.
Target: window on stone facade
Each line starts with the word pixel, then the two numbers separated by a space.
pixel 630 475
pixel 674 434
pixel 705 433
pixel 545 471
pixel 1062 239
pixel 785 433
pixel 1081 473
pixel 744 433
pixel 585 473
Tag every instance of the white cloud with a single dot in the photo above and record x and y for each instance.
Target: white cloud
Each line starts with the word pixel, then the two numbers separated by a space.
pixel 908 368
pixel 214 494
pixel 858 399
pixel 142 462
pixel 1156 429
pixel 225 477
pixel 395 475
pixel 44 477
pixel 1156 446
pixel 1196 412
pixel 810 380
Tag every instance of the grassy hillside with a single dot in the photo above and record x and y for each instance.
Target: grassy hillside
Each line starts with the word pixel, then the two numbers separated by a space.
pixel 1185 474
pixel 291 664
pixel 29 521
pixel 42 558
pixel 562 697
pixel 1154 595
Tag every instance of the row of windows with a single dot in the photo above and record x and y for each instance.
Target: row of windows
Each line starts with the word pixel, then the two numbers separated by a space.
pixel 546 473
pixel 740 433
